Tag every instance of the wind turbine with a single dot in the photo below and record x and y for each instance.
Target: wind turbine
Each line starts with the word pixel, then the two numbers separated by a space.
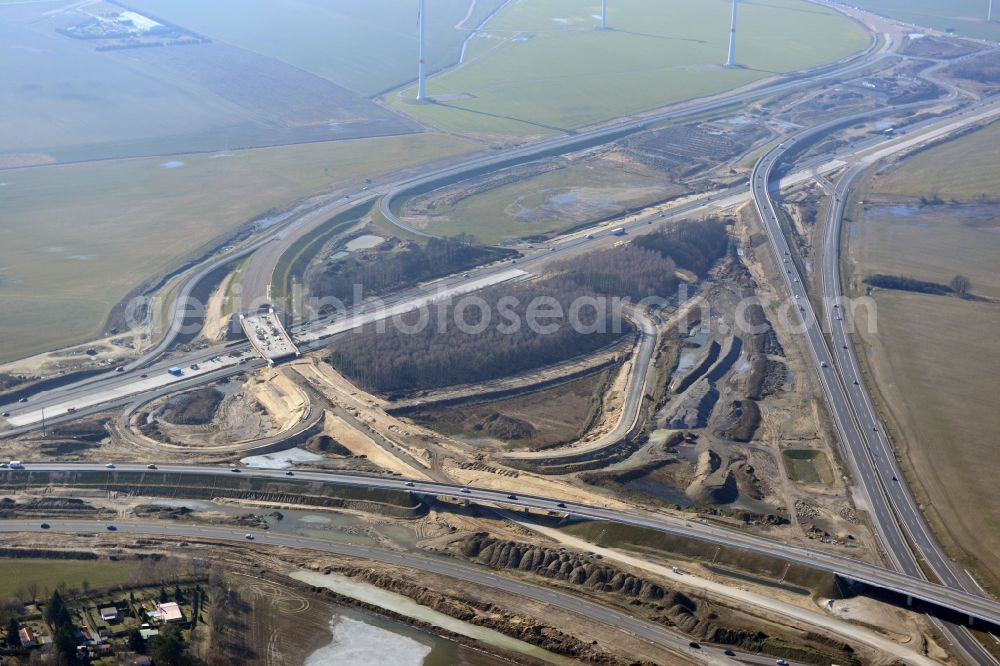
pixel 989 12
pixel 604 14
pixel 731 62
pixel 421 76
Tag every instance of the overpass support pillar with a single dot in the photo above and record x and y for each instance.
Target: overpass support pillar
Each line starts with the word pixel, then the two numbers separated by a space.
pixel 909 601
pixel 972 621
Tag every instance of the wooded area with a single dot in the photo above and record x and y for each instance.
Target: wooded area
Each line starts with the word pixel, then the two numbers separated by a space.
pixel 434 356
pixel 397 265
pixel 693 245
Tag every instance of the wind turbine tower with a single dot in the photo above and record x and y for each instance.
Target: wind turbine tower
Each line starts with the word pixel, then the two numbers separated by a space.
pixel 989 12
pixel 732 39
pixel 604 14
pixel 421 77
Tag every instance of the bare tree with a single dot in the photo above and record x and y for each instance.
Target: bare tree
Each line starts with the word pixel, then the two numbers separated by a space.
pixel 960 285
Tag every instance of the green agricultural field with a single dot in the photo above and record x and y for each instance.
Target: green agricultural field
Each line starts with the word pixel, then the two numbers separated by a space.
pixel 61 92
pixel 74 100
pixel 963 169
pixel 21 574
pixel 550 202
pixel 966 17
pixel 935 359
pixel 940 241
pixel 364 45
pixel 541 67
pixel 77 238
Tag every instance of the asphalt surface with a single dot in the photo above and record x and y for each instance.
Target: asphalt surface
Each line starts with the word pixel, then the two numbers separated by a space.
pixel 856 570
pixel 894 512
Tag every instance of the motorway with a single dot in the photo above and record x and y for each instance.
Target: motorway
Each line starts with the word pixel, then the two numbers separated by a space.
pixel 958 600
pixel 862 433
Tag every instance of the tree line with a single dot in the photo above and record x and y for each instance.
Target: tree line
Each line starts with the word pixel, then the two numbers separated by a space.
pixel 959 285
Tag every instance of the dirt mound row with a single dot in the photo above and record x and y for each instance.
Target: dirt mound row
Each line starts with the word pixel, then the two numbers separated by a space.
pixel 695 617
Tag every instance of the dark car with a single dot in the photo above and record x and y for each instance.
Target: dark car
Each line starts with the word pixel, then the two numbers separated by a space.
pixel 729 653
pixel 23 400
pixel 561 505
pixel 289 473
pixel 694 645
pixel 44 526
pixel 112 528
pixel 512 496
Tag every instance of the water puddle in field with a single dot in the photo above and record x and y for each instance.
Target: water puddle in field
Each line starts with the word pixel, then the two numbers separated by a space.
pixel 692 351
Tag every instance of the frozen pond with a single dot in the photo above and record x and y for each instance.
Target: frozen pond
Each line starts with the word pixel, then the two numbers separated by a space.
pixel 397 603
pixel 365 242
pixel 281 459
pixel 362 644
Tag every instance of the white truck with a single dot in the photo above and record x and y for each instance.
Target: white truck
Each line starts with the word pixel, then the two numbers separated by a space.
pixel 618 231
pixel 16 464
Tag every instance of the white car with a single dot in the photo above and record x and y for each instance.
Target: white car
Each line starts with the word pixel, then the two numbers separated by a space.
pixel 248 536
pixel 110 465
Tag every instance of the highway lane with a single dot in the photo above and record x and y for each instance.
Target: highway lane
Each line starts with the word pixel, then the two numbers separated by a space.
pixel 862 434
pixel 856 570
pixel 448 567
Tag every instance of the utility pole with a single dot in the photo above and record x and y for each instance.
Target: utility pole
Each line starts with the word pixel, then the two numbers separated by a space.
pixel 604 14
